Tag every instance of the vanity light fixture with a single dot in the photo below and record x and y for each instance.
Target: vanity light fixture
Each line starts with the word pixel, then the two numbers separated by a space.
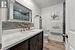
pixel 3 3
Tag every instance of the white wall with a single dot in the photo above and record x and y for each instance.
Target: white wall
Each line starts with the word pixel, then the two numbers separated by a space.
pixel 70 24
pixel 47 23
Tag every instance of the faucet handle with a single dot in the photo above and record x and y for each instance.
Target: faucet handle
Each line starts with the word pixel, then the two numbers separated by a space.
pixel 19 26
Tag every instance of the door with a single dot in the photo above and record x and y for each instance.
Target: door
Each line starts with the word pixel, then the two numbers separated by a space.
pixel 70 25
pixel 0 34
pixel 40 41
pixel 21 46
pixel 34 43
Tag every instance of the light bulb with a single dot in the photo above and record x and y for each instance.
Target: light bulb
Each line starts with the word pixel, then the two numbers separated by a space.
pixel 3 4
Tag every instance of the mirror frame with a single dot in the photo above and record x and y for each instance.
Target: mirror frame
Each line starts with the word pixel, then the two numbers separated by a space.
pixel 10 17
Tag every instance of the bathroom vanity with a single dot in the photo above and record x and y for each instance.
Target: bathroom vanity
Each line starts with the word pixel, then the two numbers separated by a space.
pixel 30 40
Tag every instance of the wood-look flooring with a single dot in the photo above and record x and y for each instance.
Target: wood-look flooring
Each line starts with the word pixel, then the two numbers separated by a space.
pixel 54 45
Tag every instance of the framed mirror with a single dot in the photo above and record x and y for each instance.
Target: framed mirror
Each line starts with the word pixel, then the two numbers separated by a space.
pixel 21 12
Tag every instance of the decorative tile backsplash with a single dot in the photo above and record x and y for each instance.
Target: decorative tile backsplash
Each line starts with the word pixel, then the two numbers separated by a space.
pixel 6 25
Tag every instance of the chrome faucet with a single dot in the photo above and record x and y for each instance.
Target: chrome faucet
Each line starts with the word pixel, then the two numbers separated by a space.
pixel 24 27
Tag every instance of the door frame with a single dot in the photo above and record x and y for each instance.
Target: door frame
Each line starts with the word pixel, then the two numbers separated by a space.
pixel 64 20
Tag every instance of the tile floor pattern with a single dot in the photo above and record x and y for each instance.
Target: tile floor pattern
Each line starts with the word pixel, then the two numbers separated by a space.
pixel 54 45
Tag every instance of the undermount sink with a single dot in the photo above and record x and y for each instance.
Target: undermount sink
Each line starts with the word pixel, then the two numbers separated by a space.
pixel 11 36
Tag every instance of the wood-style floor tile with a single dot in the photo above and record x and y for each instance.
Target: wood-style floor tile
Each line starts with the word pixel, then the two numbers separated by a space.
pixel 54 45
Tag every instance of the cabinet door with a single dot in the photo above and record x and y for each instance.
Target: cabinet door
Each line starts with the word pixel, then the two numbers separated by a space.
pixel 21 46
pixel 33 43
pixel 40 41
pixel 36 43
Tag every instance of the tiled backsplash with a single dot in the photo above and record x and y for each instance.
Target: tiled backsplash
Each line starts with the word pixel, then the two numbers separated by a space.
pixel 13 25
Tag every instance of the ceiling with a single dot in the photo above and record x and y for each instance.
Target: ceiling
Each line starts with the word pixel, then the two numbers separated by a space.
pixel 47 3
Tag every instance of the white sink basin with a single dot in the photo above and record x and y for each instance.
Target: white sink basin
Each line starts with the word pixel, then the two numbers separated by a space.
pixel 10 37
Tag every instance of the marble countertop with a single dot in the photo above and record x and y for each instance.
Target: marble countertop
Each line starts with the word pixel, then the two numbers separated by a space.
pixel 9 40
